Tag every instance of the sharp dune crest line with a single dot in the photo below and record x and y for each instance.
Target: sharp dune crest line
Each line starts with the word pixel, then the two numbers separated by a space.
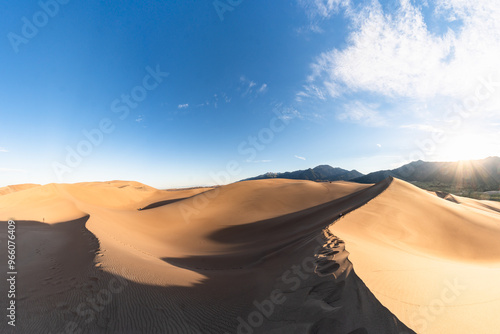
pixel 123 257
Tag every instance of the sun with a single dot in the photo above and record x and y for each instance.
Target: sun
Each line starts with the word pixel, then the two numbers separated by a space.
pixel 468 146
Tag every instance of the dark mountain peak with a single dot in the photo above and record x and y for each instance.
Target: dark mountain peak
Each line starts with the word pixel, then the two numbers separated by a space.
pixel 318 173
pixel 326 167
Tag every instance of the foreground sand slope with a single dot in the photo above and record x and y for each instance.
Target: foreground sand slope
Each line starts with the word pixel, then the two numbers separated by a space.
pixel 251 257
pixel 434 262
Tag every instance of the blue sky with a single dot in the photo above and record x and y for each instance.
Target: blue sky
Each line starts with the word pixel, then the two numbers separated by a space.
pixel 184 93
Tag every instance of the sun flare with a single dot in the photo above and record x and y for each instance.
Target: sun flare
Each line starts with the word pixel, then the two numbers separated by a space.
pixel 470 146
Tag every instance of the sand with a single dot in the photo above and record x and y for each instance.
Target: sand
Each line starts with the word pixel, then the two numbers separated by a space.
pixel 434 262
pixel 265 256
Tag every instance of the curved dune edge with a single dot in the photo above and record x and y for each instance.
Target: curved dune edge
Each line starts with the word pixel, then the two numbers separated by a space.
pixel 212 260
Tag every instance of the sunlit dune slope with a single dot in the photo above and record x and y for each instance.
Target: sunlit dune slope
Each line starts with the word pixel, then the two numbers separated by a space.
pixel 54 203
pixel 43 203
pixel 434 262
pixel 15 188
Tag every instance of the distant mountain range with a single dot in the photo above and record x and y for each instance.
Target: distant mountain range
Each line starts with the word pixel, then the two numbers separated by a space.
pixel 319 173
pixel 476 175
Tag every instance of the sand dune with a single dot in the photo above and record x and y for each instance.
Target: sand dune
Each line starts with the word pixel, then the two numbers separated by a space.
pixel 16 188
pixel 252 257
pixel 434 263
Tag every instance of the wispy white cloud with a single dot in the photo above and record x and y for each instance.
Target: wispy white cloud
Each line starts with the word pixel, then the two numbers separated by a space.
pixel 310 90
pixel 226 98
pixel 3 150
pixel 421 127
pixel 139 119
pixel 396 55
pixel 379 145
pixel 286 113
pixel 263 88
pixel 183 106
pixel 318 12
pixel 249 87
pixel 362 113
pixel 323 8
pixel 311 28
pixel 298 157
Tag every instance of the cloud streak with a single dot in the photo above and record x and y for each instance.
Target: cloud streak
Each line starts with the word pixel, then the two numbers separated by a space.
pixel 323 8
pixel 249 87
pixel 263 88
pixel 420 127
pixel 362 113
